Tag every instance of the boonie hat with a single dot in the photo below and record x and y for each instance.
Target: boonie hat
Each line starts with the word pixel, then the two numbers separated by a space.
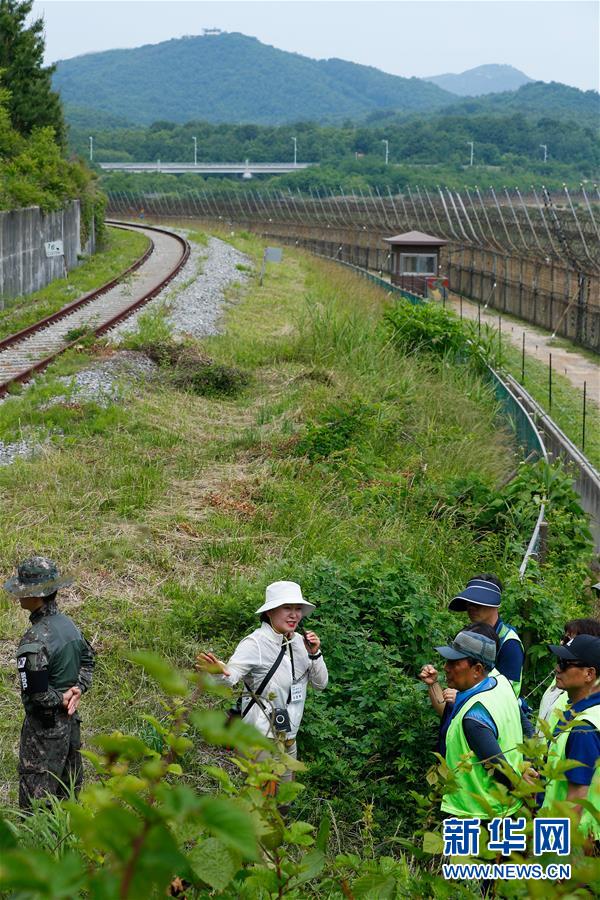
pixel 483 593
pixel 468 643
pixel 36 577
pixel 281 592
pixel 584 647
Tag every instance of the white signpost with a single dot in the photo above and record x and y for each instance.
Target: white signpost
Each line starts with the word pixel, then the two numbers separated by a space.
pixel 271 254
pixel 54 248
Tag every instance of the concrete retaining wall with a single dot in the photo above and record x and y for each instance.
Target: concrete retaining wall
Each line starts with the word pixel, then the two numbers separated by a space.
pixel 24 267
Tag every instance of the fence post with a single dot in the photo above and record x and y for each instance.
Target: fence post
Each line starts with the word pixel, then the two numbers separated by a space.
pixel 583 416
pixel 543 544
pixel 523 361
pixel 500 340
pixel 549 382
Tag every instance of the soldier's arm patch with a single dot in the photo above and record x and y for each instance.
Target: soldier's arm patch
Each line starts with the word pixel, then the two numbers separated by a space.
pixel 21 662
pixel 34 682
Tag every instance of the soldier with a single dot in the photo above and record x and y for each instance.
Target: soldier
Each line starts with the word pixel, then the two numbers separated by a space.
pixel 54 664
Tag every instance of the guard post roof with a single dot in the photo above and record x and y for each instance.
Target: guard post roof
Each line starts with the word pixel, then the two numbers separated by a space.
pixel 415 239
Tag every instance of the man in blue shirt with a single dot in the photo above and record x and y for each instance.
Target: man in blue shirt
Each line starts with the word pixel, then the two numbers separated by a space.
pixel 480 730
pixel 576 736
pixel 480 600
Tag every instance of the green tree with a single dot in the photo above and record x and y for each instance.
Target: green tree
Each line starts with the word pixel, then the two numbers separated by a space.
pixel 32 101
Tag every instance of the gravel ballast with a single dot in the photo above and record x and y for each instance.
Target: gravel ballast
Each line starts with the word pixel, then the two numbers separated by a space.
pixel 195 298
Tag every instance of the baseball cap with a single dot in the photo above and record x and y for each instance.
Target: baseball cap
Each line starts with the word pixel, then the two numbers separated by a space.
pixel 584 647
pixel 469 644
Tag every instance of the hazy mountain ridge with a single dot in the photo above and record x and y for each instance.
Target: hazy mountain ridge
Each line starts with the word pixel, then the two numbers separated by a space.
pixel 237 78
pixel 486 79
pixel 232 78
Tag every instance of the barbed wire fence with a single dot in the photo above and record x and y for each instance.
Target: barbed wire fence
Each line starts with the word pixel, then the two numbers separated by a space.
pixel 535 225
pixel 529 254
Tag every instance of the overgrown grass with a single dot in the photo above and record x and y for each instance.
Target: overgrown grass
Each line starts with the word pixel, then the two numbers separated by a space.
pixel 174 510
pixel 120 250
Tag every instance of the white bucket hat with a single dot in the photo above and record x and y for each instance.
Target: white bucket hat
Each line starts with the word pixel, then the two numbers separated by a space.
pixel 281 592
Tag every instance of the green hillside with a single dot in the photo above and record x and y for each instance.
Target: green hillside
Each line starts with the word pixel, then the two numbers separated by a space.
pixel 234 78
pixel 537 98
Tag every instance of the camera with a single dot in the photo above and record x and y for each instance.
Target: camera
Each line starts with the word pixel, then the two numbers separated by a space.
pixel 281 720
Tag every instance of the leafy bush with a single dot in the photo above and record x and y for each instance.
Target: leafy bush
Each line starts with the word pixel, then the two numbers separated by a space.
pixel 33 172
pixel 210 379
pixel 370 728
pixel 335 430
pixel 429 328
pixel 426 327
pixel 140 830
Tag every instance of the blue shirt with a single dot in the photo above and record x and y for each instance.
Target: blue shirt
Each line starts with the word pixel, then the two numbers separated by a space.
pixel 510 658
pixel 583 743
pixel 477 712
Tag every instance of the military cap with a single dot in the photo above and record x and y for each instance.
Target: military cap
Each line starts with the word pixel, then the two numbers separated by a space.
pixel 36 577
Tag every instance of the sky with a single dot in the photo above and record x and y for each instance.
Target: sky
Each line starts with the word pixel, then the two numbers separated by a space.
pixel 549 40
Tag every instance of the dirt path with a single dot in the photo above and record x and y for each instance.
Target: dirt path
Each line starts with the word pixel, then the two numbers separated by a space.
pixel 575 366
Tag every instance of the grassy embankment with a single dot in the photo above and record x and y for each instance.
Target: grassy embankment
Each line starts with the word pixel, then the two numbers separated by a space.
pixel 174 510
pixel 118 252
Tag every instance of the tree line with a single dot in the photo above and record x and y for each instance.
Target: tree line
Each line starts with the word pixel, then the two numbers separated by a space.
pixel 443 139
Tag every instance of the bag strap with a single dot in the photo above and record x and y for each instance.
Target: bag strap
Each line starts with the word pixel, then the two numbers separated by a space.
pixel 265 680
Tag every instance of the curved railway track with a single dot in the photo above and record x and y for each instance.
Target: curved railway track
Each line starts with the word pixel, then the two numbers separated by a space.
pixel 32 349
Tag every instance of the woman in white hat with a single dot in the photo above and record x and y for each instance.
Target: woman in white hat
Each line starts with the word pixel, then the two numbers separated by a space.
pixel 276 665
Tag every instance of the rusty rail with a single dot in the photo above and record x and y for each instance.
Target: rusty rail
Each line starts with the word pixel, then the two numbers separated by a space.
pixel 15 339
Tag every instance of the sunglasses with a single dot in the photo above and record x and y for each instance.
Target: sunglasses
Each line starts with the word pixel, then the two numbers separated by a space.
pixel 564 664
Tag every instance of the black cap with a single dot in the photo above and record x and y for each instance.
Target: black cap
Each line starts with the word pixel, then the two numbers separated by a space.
pixel 585 648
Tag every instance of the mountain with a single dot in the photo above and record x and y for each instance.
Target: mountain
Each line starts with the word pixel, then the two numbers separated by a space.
pixel 234 78
pixel 536 99
pixel 490 79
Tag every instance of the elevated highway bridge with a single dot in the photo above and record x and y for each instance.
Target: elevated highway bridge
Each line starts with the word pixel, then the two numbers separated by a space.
pixel 245 169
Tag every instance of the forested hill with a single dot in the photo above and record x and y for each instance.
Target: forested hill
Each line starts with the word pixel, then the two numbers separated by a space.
pixel 538 99
pixel 234 78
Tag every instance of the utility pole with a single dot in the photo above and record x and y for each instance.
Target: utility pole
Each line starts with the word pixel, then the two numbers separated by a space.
pixel 387 150
pixel 471 145
pixel 91 148
pixel 195 151
pixel 545 149
pixel 295 150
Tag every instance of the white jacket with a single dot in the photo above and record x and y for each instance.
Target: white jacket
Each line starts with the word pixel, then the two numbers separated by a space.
pixel 252 659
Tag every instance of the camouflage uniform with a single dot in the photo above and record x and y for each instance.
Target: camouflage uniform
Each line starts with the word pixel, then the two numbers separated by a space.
pixel 52 657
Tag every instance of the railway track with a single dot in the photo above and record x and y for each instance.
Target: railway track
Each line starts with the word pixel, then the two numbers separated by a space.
pixel 32 349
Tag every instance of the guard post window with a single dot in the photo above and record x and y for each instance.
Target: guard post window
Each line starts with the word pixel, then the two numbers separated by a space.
pixel 418 264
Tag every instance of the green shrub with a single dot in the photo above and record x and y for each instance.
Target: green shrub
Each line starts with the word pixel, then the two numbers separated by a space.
pixel 425 327
pixel 336 429
pixel 34 172
pixel 372 727
pixel 210 379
